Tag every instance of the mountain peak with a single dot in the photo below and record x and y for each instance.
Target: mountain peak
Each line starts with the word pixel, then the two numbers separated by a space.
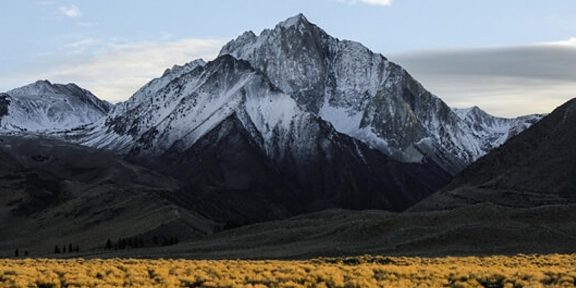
pixel 248 42
pixel 179 69
pixel 43 106
pixel 42 83
pixel 464 113
pixel 294 21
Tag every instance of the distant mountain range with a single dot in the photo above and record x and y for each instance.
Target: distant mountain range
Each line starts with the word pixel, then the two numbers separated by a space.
pixel 288 122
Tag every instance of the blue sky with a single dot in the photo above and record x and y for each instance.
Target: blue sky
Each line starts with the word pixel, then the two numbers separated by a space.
pixel 509 57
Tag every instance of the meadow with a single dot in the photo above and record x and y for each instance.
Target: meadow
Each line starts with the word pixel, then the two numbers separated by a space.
pixel 366 271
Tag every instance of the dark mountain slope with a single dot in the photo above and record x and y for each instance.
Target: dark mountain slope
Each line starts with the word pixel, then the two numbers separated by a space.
pixel 55 193
pixel 239 183
pixel 483 229
pixel 537 167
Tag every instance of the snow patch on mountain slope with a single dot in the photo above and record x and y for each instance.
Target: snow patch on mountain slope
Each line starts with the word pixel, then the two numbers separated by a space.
pixel 46 107
pixel 269 111
pixel 192 104
pixel 494 131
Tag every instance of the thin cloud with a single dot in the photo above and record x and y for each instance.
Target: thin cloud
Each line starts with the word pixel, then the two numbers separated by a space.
pixel 71 11
pixel 115 70
pixel 506 81
pixel 565 43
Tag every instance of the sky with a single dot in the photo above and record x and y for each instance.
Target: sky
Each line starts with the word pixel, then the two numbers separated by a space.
pixel 510 57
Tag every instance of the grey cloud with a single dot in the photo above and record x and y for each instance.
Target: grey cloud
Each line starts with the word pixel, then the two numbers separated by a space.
pixel 541 62
pixel 506 81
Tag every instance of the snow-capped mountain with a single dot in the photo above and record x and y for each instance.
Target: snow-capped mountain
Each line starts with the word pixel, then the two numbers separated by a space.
pixel 46 107
pixel 223 123
pixel 491 130
pixel 360 93
pixel 298 118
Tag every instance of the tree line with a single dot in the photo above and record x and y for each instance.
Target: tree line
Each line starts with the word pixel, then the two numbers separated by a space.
pixel 139 242
pixel 119 244
pixel 63 250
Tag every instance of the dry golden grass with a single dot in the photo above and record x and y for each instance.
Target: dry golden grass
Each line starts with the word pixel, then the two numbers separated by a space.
pixel 496 271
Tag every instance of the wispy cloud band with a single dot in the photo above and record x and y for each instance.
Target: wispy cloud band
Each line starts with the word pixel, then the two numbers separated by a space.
pixel 506 81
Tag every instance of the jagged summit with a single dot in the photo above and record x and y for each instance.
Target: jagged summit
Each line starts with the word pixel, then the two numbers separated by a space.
pixel 42 83
pixel 179 69
pixel 295 20
pixel 464 112
pixel 361 94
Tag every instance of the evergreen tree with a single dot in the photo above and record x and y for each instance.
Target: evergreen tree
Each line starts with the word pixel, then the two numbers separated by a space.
pixel 56 249
pixel 70 248
pixel 16 252
pixel 64 249
pixel 109 244
pixel 26 253
pixel 77 248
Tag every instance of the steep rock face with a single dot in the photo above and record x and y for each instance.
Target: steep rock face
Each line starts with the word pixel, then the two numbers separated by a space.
pixel 361 93
pixel 44 107
pixel 292 160
pixel 533 168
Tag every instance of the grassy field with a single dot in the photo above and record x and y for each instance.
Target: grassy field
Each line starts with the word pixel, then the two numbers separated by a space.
pixel 496 271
